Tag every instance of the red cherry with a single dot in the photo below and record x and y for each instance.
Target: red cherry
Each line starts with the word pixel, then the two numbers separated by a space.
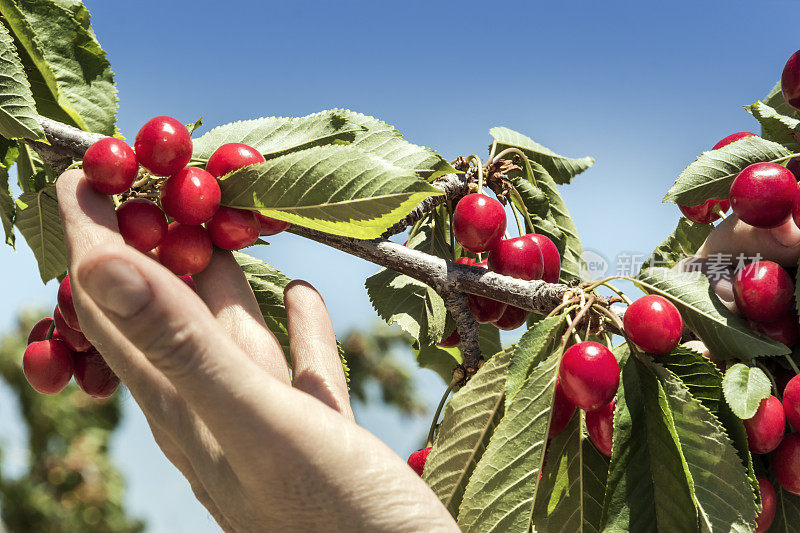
pixel 769 504
pixel 484 310
pixel 188 281
pixel 763 291
pixel 784 329
pixel 418 459
pixel 233 229
pixel 110 166
pixel 185 250
pixel 733 137
pixel 765 429
pixel 589 374
pixel 141 223
pixel 271 226
pixel 232 156
pixel 762 195
pixel 791 401
pixel 550 256
pixel 66 305
pixel 39 331
pixel 452 340
pixel 790 81
pixel 796 207
pixel 163 146
pixel 653 324
pixel 600 426
pixel 786 463
pixel 479 222
pixel 563 409
pixel 519 257
pixel 71 337
pixel 93 375
pixel 706 213
pixel 47 366
pixel 191 196
pixel 513 317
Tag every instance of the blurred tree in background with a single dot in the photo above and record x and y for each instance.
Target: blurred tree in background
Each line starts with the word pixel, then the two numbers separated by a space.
pixel 71 483
pixel 374 358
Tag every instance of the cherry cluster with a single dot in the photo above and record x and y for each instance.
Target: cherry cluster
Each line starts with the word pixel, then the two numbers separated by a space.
pixel 763 195
pixel 189 196
pixel 479 224
pixel 58 350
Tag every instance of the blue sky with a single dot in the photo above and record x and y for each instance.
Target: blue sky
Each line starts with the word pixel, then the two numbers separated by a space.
pixel 643 88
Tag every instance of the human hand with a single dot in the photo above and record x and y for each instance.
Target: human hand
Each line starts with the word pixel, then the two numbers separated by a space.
pixel 260 452
pixel 733 237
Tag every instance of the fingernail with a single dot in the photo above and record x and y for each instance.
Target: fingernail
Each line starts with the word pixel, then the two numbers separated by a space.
pixel 117 286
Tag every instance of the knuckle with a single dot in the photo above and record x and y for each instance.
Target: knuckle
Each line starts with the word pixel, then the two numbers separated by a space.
pixel 174 349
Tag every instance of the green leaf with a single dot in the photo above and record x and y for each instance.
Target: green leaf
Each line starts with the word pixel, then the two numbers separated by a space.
pixel 744 388
pixel 537 204
pixel 700 375
pixel 440 360
pixel 267 283
pixel 468 423
pixel 408 302
pixel 721 487
pixel 17 108
pixel 8 154
pixel 711 174
pixel 570 495
pixel 680 244
pixel 704 382
pixel 69 73
pixel 386 142
pixel 39 222
pixel 502 490
pixel 534 199
pixel 535 345
pixel 571 248
pixel 787 515
pixel 777 102
pixel 726 335
pixel 489 339
pixel 276 136
pixel 561 168
pixel 335 189
pixel 649 487
pixel 775 126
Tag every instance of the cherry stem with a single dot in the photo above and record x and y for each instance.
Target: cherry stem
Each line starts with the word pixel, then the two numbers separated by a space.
pixel 522 207
pixel 574 323
pixel 517 219
pixel 479 166
pixel 50 331
pixel 771 379
pixel 792 363
pixel 558 309
pixel 452 235
pixel 492 151
pixel 432 430
pixel 524 157
pixel 612 318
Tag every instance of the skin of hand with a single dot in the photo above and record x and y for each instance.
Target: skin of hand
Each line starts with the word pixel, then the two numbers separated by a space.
pixel 261 452
pixel 734 237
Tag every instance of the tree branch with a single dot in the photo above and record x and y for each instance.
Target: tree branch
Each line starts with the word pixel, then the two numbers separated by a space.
pixel 452 185
pixel 449 279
